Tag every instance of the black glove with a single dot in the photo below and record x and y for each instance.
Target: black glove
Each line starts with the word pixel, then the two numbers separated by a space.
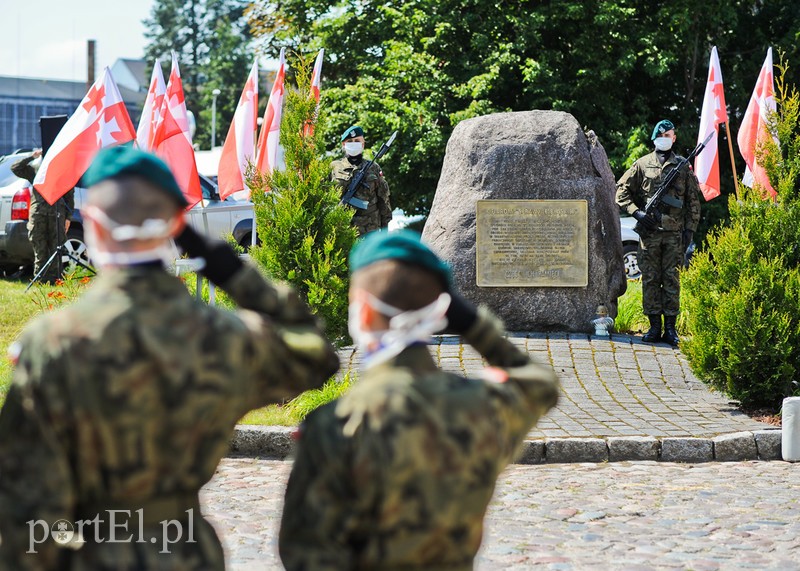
pixel 461 315
pixel 647 220
pixel 687 238
pixel 221 260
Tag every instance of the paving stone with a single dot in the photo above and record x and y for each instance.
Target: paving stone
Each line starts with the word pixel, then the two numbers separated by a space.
pixel 768 444
pixel 262 441
pixel 532 452
pixel 687 450
pixel 575 450
pixel 735 447
pixel 632 448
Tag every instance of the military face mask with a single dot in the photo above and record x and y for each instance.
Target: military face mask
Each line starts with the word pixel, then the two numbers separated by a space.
pixel 353 149
pixel 663 143
pixel 405 327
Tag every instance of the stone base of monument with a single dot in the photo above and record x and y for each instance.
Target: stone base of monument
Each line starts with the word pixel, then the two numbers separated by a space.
pixel 525 214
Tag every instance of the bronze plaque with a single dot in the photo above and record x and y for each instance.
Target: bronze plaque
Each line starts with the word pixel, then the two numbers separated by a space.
pixel 532 243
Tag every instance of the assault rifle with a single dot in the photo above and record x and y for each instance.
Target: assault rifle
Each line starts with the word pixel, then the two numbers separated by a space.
pixel 652 209
pixel 349 195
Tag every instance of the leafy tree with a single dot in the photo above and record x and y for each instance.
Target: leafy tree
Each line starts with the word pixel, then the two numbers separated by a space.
pixel 741 294
pixel 305 235
pixel 619 66
pixel 229 62
pixel 212 40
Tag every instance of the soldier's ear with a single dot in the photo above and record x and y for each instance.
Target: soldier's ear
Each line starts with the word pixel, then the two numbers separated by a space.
pixel 178 224
pixel 370 318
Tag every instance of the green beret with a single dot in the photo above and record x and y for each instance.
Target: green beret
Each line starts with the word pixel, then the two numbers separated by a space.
pixel 661 128
pixel 403 245
pixel 124 160
pixel 354 131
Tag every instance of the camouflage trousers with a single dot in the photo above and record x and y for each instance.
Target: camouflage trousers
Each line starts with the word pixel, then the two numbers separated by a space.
pixel 364 224
pixel 660 257
pixel 44 238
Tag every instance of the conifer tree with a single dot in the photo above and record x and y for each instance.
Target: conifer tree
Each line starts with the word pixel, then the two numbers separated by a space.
pixel 305 235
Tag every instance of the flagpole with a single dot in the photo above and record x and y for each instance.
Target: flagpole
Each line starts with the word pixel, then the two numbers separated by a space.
pixel 733 164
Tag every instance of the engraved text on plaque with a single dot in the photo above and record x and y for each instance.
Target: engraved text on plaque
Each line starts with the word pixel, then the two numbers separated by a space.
pixel 532 243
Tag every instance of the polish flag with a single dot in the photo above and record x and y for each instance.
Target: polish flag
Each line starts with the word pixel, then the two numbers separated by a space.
pixel 240 144
pixel 101 120
pixel 706 165
pixel 753 132
pixel 152 108
pixel 308 129
pixel 267 157
pixel 172 141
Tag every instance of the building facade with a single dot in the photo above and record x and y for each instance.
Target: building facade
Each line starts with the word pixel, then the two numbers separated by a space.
pixel 24 100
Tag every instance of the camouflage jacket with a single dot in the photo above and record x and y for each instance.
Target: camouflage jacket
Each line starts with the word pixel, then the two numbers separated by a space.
pixel 127 400
pixel 639 183
pixel 398 473
pixel 379 212
pixel 24 170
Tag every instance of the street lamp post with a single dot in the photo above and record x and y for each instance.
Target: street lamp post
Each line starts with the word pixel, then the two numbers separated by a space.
pixel 214 95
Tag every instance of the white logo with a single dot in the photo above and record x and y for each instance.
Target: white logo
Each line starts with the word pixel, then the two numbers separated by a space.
pixel 106 530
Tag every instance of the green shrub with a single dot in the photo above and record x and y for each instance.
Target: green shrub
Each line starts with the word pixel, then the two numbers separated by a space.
pixel 305 235
pixel 741 295
pixel 630 318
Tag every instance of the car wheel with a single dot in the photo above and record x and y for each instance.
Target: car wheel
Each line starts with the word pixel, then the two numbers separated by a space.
pixel 76 251
pixel 247 240
pixel 8 269
pixel 630 260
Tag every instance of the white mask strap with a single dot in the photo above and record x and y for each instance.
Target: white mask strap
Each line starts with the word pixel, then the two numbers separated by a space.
pixel 150 229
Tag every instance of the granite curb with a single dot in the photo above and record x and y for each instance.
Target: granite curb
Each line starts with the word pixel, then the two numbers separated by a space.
pixel 277 442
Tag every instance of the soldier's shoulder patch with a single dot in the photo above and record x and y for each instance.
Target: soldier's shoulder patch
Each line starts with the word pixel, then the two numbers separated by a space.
pixel 494 375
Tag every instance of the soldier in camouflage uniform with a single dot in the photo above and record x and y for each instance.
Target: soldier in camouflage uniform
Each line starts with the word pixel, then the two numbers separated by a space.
pixel 43 232
pixel 376 192
pixel 127 399
pixel 398 473
pixel 661 254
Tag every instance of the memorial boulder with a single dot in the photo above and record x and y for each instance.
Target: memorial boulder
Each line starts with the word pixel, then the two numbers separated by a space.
pixel 524 212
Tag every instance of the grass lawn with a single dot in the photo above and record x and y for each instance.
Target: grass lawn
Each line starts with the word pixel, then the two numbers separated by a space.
pixel 18 308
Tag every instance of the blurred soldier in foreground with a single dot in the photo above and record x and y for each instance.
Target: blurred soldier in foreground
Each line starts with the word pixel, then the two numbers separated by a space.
pixel 374 191
pixel 397 473
pixel 661 253
pixel 47 224
pixel 124 402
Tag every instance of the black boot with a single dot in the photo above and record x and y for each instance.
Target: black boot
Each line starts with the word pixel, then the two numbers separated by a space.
pixel 670 334
pixel 654 334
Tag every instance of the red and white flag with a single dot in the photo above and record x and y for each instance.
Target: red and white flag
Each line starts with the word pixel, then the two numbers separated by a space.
pixel 753 131
pixel 172 141
pixel 706 165
pixel 316 75
pixel 267 157
pixel 151 110
pixel 240 144
pixel 101 120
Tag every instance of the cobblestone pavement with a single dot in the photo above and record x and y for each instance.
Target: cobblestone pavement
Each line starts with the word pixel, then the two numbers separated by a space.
pixel 619 516
pixel 616 387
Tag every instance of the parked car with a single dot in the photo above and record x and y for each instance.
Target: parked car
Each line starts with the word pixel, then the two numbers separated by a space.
pixel 630 245
pixel 218 218
pixel 212 217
